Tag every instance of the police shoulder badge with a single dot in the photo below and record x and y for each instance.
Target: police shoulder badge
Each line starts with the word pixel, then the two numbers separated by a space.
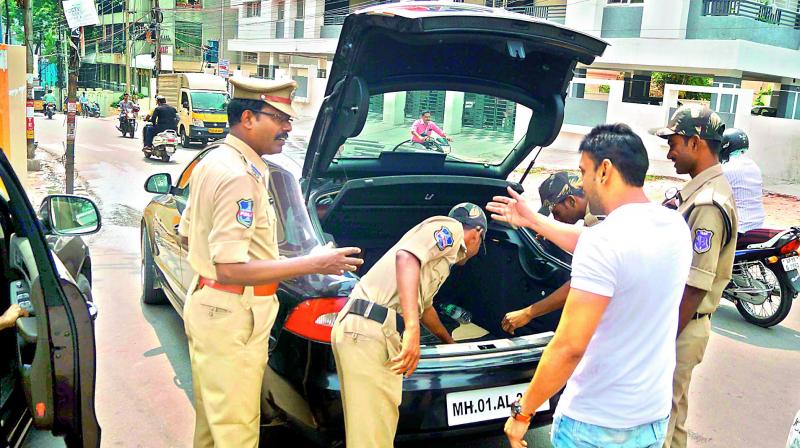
pixel 444 238
pixel 702 240
pixel 244 215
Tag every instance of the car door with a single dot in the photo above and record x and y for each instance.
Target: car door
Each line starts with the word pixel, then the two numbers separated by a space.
pixel 164 228
pixel 181 193
pixel 47 378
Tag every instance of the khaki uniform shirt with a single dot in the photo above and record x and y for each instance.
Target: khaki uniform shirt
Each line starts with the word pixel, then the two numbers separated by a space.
pixel 712 264
pixel 229 217
pixel 437 242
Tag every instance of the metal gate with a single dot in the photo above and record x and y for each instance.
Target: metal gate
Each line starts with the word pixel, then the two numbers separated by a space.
pixel 430 100
pixel 489 113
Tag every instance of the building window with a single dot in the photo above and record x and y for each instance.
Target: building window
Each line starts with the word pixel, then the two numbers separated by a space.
pixel 250 58
pixel 302 86
pixel 301 9
pixel 252 9
pixel 266 71
pixel 322 73
pixel 188 41
pixel 281 10
pixel 625 2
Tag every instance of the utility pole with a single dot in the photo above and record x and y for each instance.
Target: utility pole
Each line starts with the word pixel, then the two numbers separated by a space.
pixel 156 18
pixel 221 50
pixel 27 5
pixel 127 48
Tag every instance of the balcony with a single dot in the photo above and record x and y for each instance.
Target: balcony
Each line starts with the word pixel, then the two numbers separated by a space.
pixel 743 20
pixel 556 13
pixel 752 9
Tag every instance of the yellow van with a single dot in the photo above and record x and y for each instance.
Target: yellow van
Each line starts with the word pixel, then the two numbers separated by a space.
pixel 201 100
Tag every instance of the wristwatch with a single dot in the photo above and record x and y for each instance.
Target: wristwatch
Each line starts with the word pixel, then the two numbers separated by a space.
pixel 516 413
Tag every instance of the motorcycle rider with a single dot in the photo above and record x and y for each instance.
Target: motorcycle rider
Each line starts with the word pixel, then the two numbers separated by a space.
pixel 561 194
pixel 421 129
pixel 125 106
pixel 48 99
pixel 744 176
pixel 164 117
pixel 694 134
pixel 84 102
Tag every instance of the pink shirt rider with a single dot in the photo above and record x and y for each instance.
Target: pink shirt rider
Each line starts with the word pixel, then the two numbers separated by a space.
pixel 420 127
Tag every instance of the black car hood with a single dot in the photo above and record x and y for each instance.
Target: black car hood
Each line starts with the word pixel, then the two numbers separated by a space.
pixel 444 46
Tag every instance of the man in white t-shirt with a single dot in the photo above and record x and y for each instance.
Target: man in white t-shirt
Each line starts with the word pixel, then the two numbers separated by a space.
pixel 744 176
pixel 615 345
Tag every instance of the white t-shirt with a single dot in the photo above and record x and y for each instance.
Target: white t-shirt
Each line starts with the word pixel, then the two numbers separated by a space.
pixel 639 257
pixel 745 178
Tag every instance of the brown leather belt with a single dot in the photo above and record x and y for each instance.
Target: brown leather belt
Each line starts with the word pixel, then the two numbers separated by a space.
pixel 258 290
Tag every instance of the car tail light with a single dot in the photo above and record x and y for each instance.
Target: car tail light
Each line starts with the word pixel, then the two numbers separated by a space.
pixel 790 247
pixel 313 319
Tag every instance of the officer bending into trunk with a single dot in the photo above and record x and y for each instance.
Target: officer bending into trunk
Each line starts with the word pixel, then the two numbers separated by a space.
pixel 397 293
pixel 563 196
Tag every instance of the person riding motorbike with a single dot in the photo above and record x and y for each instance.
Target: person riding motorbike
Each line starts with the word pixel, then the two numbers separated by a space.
pixel 422 129
pixel 164 117
pixel 744 176
pixel 49 98
pixel 125 106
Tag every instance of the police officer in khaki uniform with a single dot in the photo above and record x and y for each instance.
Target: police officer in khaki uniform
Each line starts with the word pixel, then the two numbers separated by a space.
pixel 231 223
pixel 562 195
pixel 694 134
pixel 397 292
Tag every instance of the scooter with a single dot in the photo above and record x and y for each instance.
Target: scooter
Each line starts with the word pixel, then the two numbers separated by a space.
pixel 128 123
pixel 164 145
pixel 766 275
pixel 92 110
pixel 50 110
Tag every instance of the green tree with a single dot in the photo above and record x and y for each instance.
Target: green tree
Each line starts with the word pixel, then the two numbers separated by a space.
pixel 659 79
pixel 47 17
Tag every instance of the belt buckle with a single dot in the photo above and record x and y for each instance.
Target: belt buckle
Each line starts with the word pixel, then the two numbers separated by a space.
pixel 368 311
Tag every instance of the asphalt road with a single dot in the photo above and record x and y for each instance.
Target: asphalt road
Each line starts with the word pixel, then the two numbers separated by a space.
pixel 744 394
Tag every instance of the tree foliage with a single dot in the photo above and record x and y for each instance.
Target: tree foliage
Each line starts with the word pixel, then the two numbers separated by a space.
pixel 47 17
pixel 659 79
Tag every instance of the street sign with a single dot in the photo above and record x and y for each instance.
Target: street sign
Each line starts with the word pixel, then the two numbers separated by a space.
pixel 29 119
pixel 224 68
pixel 80 13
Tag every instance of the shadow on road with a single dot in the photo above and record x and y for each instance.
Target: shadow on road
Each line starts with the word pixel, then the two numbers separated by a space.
pixel 168 327
pixel 729 323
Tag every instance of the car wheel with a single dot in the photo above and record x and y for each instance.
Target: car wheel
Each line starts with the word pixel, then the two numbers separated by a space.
pixel 185 142
pixel 151 294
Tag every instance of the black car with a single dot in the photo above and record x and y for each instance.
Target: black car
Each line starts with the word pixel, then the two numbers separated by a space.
pixel 47 371
pixel 495 82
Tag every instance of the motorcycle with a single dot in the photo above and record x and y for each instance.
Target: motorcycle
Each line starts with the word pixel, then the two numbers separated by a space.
pixel 438 144
pixel 92 110
pixel 164 145
pixel 766 272
pixel 50 110
pixel 766 275
pixel 128 123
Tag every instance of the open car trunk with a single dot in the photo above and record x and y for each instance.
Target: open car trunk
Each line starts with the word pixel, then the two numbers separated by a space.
pixel 515 271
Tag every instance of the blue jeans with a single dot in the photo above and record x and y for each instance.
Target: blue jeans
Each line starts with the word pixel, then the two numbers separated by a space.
pixel 569 433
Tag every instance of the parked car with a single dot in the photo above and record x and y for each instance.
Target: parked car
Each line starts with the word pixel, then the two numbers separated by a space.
pixel 47 379
pixel 496 82
pixel 764 111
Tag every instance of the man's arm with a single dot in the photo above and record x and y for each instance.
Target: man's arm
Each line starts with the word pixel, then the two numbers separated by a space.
pixel 258 272
pixel 438 130
pixel 691 300
pixel 520 318
pixel 515 210
pixel 430 319
pixel 407 270
pixel 582 315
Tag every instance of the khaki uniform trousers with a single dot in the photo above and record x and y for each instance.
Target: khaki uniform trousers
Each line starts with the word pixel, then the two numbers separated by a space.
pixel 228 345
pixel 371 392
pixel 691 346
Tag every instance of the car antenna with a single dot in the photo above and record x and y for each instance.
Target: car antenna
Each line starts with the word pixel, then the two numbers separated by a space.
pixel 530 166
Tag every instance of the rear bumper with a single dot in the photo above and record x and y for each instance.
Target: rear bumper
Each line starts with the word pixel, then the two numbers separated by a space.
pixel 196 132
pixel 313 404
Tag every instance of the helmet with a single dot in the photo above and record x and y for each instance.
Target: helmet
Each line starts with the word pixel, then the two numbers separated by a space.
pixel 161 98
pixel 733 140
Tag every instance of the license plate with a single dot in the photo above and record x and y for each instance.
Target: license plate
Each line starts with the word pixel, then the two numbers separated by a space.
pixel 791 263
pixel 479 405
pixel 215 130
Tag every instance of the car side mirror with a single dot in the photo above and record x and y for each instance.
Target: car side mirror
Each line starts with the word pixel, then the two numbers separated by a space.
pixel 69 215
pixel 158 183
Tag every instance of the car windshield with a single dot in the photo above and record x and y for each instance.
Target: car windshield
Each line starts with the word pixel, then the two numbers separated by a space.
pixel 213 101
pixel 468 127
